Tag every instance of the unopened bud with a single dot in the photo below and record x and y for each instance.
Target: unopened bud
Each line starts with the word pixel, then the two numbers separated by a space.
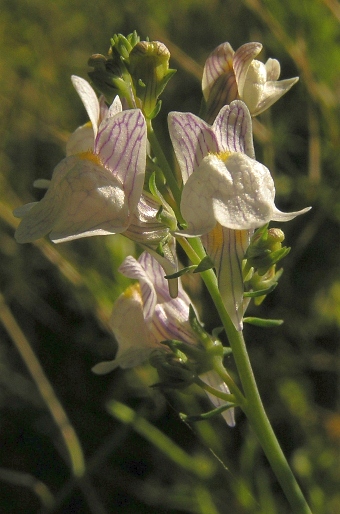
pixel 149 68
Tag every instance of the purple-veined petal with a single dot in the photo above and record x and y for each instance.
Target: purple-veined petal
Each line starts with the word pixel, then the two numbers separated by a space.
pixel 212 379
pixel 141 270
pixel 144 227
pixel 233 129
pixel 219 62
pixel 192 139
pixel 226 248
pixel 83 200
pixel 121 146
pixel 241 62
pixel 89 99
pixel 170 321
pixel 272 92
pixel 218 82
pixel 168 261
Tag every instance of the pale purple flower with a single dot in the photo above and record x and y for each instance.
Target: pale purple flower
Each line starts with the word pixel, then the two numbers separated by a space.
pixel 225 189
pixel 145 314
pixel 96 190
pixel 230 75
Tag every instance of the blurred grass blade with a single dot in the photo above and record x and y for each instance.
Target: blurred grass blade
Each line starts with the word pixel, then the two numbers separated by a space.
pixel 30 482
pixel 199 466
pixel 60 417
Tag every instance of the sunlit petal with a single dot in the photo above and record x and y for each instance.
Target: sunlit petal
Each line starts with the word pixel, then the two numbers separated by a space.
pixel 241 62
pixel 273 69
pixel 272 92
pixel 81 140
pixel 133 338
pixel 121 146
pixel 219 62
pixel 89 99
pixel 83 199
pixel 233 129
pixel 287 216
pixel 192 139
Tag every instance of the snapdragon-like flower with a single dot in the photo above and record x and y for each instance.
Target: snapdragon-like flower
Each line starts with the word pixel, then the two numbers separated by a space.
pixel 95 191
pixel 230 75
pixel 145 314
pixel 225 189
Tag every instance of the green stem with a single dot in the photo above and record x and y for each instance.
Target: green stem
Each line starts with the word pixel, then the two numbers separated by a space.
pixel 252 405
pixel 164 165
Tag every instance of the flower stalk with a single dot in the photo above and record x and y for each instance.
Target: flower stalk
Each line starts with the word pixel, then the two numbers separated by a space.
pixel 251 403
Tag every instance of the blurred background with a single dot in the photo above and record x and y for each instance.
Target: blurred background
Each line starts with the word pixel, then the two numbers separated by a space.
pixel 123 438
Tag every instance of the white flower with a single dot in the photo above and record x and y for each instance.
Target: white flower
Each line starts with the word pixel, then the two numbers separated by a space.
pixel 224 186
pixel 96 190
pixel 230 75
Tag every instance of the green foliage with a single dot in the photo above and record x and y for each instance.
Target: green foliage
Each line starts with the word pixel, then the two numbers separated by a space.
pixel 60 296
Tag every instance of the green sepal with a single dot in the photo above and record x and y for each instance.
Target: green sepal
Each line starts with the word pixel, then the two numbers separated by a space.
pixel 156 110
pixel 217 331
pixel 213 347
pixel 181 272
pixel 227 350
pixel 264 323
pixel 205 264
pixel 165 212
pixel 261 292
pixel 207 415
pixel 266 262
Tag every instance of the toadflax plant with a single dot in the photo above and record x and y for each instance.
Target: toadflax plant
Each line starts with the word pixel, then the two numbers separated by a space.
pixel 115 179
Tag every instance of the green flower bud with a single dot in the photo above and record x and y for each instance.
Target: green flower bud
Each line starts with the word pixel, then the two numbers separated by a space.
pixel 110 75
pixel 173 371
pixel 265 250
pixel 149 68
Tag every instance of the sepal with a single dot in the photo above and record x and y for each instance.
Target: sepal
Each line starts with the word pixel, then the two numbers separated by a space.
pixel 263 323
pixel 206 415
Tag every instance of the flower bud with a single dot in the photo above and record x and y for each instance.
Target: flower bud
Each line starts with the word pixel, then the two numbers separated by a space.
pixel 173 371
pixel 110 74
pixel 265 249
pixel 149 69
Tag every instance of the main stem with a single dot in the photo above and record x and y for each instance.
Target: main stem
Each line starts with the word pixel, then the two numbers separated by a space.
pixel 252 406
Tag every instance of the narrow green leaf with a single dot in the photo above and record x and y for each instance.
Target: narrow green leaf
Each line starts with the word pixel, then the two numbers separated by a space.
pixel 261 292
pixel 206 415
pixel 204 265
pixel 265 323
pixel 180 272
